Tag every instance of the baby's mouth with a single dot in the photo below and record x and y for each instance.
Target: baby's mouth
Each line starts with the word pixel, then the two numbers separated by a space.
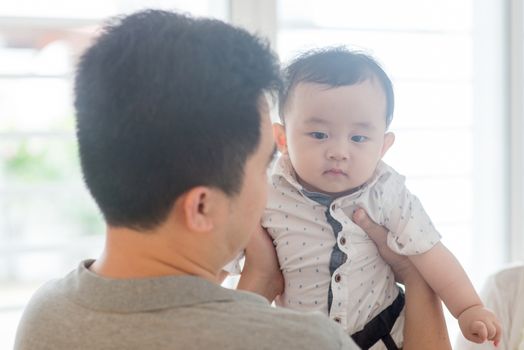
pixel 335 171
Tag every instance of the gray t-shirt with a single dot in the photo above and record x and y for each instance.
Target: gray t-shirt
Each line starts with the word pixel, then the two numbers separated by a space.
pixel 86 311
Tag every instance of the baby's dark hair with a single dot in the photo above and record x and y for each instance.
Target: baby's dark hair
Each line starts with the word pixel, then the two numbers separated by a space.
pixel 334 66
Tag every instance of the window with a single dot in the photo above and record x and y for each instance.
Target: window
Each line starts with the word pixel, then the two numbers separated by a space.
pixel 48 221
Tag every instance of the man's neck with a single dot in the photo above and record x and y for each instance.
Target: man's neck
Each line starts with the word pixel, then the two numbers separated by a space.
pixel 130 254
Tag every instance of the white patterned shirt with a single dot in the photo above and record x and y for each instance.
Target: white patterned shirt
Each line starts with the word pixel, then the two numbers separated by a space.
pixel 364 284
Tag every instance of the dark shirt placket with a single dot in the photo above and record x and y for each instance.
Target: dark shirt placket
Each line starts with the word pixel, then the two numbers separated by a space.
pixel 338 257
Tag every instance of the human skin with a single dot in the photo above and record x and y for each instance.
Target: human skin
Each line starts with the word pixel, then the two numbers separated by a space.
pixel 334 136
pixel 204 230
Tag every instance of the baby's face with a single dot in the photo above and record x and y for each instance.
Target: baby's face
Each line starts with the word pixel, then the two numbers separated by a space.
pixel 335 136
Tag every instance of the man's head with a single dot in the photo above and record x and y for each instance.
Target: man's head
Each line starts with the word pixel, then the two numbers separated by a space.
pixel 335 108
pixel 167 103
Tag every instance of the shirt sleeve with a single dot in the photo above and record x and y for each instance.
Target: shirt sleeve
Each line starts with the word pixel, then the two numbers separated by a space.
pixel 411 231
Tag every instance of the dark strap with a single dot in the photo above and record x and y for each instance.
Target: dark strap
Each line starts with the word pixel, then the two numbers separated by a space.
pixel 379 328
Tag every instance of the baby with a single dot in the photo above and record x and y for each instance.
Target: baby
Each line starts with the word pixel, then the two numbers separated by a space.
pixel 335 109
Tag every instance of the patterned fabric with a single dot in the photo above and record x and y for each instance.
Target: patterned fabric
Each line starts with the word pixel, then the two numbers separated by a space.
pixel 338 257
pixel 363 285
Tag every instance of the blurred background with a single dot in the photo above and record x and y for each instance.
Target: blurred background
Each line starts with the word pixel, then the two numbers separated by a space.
pixel 457 68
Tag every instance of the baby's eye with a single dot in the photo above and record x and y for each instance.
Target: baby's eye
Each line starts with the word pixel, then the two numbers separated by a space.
pixel 359 138
pixel 318 135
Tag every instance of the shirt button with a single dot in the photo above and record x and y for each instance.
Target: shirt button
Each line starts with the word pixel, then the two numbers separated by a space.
pixel 333 206
pixel 337 320
pixel 342 241
pixel 337 278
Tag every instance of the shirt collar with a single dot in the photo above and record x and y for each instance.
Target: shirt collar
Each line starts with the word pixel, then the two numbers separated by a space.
pixel 282 169
pixel 90 290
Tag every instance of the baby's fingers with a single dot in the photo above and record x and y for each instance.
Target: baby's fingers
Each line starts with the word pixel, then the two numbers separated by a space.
pixel 479 332
pixel 492 330
pixel 495 332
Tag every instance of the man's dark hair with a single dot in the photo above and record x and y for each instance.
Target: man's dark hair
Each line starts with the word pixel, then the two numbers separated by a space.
pixel 334 66
pixel 165 102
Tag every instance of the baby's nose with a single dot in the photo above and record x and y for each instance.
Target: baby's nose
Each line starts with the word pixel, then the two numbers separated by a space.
pixel 337 154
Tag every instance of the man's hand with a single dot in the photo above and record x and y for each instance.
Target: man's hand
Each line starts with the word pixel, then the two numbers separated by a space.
pixel 261 273
pixel 401 265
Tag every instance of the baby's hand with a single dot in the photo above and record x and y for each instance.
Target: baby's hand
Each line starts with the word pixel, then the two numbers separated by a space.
pixel 478 324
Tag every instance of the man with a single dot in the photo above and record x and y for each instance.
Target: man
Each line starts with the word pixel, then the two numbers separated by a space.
pixel 174 140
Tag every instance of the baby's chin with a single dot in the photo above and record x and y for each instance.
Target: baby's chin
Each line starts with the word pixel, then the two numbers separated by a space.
pixel 334 188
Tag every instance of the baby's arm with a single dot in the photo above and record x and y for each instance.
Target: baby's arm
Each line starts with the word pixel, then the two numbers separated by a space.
pixel 261 273
pixel 413 234
pixel 425 327
pixel 448 279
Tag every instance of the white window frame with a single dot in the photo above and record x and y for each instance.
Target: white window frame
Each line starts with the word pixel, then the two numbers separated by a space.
pixel 516 127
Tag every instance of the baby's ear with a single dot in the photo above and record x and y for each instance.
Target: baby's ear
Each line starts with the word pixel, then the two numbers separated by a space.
pixel 389 139
pixel 279 133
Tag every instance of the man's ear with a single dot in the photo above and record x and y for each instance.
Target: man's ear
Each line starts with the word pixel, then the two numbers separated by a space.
pixel 197 206
pixel 389 139
pixel 279 133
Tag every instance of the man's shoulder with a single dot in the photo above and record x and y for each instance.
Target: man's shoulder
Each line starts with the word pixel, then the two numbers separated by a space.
pixel 46 295
pixel 35 321
pixel 207 316
pixel 289 329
